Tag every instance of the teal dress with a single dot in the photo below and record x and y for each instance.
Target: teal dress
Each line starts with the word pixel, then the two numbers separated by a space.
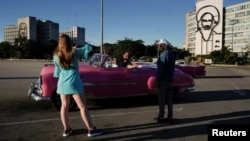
pixel 69 80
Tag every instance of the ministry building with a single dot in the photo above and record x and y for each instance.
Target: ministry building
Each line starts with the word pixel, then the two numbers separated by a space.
pixel 212 26
pixel 41 31
pixel 37 30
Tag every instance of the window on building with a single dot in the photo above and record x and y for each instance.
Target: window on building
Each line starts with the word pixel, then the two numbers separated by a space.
pixel 241 14
pixel 241 7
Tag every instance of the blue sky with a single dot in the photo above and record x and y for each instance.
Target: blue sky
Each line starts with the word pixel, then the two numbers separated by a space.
pixel 147 20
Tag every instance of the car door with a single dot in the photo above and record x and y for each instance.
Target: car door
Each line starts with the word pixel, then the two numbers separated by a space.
pixel 117 81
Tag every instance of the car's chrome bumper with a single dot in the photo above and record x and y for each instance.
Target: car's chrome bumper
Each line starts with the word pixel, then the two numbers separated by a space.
pixel 35 91
pixel 190 88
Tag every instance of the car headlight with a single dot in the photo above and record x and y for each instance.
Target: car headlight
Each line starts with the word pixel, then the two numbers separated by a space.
pixel 38 91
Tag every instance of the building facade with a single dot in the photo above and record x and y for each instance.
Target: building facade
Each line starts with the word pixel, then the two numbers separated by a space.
pixel 27 28
pixel 237 27
pixel 46 31
pixel 77 35
pixel 10 33
pixel 191 28
pixel 32 29
pixel 212 26
pixel 209 22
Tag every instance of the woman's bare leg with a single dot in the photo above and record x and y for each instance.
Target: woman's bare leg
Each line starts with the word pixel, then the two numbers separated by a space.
pixel 65 99
pixel 82 105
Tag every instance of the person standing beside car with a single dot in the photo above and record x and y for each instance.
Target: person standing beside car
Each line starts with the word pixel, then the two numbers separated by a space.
pixel 164 77
pixel 70 84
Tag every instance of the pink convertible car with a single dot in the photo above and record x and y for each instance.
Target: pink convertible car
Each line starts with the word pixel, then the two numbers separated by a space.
pixel 103 79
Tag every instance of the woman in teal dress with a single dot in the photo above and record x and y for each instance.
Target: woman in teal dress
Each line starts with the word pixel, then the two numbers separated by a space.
pixel 69 83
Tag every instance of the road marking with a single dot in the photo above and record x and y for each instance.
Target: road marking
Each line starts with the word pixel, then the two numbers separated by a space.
pixel 118 114
pixel 238 91
pixel 104 115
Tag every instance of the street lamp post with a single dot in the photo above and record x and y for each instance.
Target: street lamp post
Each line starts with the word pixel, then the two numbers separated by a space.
pixel 101 47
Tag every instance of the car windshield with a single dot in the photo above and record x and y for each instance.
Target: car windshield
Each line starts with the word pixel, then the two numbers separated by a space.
pixel 101 61
pixel 95 60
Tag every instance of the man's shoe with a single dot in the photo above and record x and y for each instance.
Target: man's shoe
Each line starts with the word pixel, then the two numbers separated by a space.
pixel 67 132
pixel 161 120
pixel 94 132
pixel 170 120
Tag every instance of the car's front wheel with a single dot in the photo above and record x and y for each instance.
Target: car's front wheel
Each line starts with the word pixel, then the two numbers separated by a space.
pixel 56 102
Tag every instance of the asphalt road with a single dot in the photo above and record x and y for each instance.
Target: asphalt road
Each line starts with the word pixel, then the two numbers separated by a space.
pixel 222 97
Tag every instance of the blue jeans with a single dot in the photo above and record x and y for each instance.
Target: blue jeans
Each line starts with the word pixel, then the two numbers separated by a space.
pixel 165 93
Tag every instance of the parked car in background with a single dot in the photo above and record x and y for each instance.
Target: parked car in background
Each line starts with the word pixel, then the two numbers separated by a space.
pixel 180 62
pixel 143 59
pixel 194 69
pixel 101 78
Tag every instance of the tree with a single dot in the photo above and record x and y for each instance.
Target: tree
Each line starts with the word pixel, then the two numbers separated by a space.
pixel 19 44
pixel 28 49
pixel 224 56
pixel 151 51
pixel 6 50
pixel 24 48
pixel 137 48
pixel 247 51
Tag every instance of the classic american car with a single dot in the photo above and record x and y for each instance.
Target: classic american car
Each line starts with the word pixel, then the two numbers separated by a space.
pixel 196 70
pixel 101 78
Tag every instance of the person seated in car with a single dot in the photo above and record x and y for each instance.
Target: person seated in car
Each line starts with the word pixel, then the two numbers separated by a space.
pixel 126 61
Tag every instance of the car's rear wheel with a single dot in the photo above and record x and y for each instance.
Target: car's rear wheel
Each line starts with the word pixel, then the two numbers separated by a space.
pixel 56 102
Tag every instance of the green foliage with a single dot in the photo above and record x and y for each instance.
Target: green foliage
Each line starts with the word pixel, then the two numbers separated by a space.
pixel 223 56
pixel 136 47
pixel 6 51
pixel 29 49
